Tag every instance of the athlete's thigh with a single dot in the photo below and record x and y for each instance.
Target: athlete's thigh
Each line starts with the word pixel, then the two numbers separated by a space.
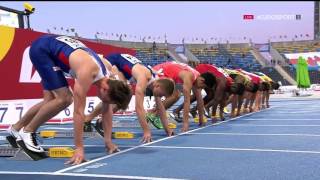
pixel 52 76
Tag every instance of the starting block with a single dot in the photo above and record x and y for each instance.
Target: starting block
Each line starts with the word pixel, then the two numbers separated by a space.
pixel 18 154
pixel 22 153
pixel 8 151
pixel 18 151
pixel 60 152
pixel 122 135
pixel 196 119
pixel 65 134
pixel 15 154
pixel 25 154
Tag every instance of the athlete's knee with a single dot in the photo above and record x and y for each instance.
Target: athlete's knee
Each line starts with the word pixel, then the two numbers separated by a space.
pixel 66 100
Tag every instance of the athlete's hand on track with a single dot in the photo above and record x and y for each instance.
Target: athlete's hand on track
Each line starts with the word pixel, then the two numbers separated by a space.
pixel 77 158
pixel 112 148
pixel 146 137
pixel 185 128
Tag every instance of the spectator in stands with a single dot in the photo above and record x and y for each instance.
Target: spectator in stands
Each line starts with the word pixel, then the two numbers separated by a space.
pixel 154 46
pixel 191 80
pixel 229 61
pixel 129 68
pixel 52 56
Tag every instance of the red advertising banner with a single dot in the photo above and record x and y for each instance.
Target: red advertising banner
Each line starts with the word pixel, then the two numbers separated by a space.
pixel 313 59
pixel 19 80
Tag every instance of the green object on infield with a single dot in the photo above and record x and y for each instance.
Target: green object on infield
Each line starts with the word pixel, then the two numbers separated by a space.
pixel 302 73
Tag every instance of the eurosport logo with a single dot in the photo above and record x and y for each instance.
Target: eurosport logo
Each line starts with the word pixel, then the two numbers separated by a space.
pixel 275 17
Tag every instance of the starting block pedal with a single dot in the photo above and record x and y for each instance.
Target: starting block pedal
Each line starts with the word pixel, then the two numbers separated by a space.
pixel 242 110
pixel 172 126
pixel 216 116
pixel 12 141
pixel 122 135
pixel 226 111
pixel 60 152
pixel 196 119
pixel 25 154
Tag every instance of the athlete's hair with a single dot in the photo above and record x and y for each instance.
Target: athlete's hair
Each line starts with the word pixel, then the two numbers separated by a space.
pixel 275 85
pixel 263 86
pixel 209 79
pixel 168 85
pixel 237 88
pixel 120 93
pixel 268 86
pixel 233 76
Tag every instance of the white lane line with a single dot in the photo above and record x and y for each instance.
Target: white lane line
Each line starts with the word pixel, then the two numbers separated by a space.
pixel 275 125
pixel 253 119
pixel 163 139
pixel 297 112
pixel 298 109
pixel 255 134
pixel 235 149
pixel 87 175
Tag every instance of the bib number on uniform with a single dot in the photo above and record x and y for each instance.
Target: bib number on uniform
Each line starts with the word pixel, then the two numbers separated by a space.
pixel 131 59
pixel 75 44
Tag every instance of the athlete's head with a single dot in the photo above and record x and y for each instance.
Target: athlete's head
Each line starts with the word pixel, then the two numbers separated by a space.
pixel 237 88
pixel 115 92
pixel 263 86
pixel 269 87
pixel 206 80
pixel 275 85
pixel 255 88
pixel 249 86
pixel 163 87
